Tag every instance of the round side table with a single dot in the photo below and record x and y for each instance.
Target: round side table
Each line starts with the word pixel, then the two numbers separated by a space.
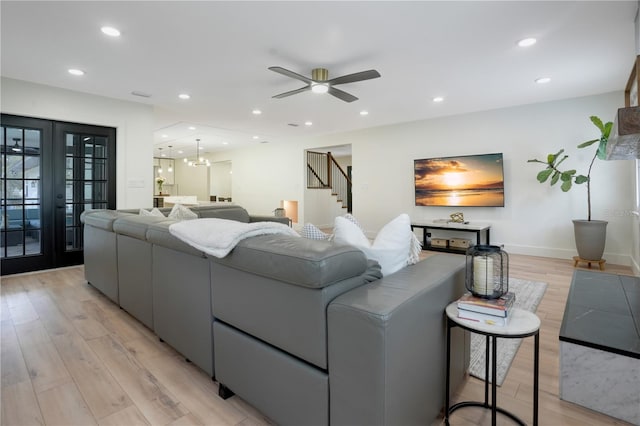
pixel 521 324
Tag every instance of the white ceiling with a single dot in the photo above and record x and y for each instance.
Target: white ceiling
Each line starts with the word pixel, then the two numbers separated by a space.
pixel 219 52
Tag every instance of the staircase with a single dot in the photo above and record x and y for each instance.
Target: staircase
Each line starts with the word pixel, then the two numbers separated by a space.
pixel 324 172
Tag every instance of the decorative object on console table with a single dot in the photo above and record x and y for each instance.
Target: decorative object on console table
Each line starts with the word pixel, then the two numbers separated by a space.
pixel 457 217
pixel 487 271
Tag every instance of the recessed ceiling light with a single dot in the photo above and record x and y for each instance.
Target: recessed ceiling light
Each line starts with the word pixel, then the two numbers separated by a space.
pixel 163 155
pixel 110 31
pixel 180 152
pixel 438 99
pixel 308 123
pixel 75 71
pixel 165 136
pixel 256 137
pixel 191 128
pixel 256 112
pixel 184 96
pixel 364 112
pixel 225 143
pixel 526 42
pixel 543 80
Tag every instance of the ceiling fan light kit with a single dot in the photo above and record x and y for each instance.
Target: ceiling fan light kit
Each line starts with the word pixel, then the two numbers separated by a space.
pixel 320 82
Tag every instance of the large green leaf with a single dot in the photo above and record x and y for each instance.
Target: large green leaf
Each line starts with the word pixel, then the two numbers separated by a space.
pixel 566 185
pixel 581 179
pixel 607 130
pixel 555 177
pixel 544 175
pixel 595 120
pixel 588 143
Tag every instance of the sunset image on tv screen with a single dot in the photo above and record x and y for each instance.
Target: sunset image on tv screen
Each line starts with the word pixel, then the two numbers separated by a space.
pixel 472 180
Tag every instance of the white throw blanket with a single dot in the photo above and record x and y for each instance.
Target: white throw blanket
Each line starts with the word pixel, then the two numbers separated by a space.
pixel 218 237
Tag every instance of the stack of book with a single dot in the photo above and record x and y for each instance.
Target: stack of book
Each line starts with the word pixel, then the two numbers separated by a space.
pixel 488 311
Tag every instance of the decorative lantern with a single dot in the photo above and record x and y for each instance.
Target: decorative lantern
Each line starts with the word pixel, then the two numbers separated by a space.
pixel 487 273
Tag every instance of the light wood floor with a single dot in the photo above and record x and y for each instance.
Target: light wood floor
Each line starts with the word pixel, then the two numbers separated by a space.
pixel 72 357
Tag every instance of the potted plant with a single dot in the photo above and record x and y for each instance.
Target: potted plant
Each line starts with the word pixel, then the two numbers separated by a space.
pixel 590 234
pixel 160 181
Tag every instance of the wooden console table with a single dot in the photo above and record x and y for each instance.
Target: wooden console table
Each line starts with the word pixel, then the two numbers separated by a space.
pixel 475 227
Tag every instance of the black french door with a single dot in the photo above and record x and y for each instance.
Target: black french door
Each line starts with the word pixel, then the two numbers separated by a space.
pixel 51 172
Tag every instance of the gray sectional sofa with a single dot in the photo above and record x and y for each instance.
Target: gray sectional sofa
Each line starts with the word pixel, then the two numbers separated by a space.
pixel 306 331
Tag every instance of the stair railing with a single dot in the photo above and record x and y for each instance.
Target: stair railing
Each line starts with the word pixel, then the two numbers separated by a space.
pixel 323 171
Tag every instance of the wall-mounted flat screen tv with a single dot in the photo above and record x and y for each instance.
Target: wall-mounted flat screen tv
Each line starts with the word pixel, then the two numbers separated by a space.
pixel 463 181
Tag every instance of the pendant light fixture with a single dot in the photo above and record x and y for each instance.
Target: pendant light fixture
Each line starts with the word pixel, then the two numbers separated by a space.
pixel 160 161
pixel 170 169
pixel 198 161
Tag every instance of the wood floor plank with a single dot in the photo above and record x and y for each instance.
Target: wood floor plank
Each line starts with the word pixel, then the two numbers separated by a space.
pixel 64 406
pixel 145 390
pixel 22 312
pixel 129 416
pixel 14 370
pixel 187 420
pixel 195 390
pixel 19 405
pixel 45 366
pixel 102 393
pixel 54 321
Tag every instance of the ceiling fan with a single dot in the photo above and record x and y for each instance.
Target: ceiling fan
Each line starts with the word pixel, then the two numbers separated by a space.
pixel 320 83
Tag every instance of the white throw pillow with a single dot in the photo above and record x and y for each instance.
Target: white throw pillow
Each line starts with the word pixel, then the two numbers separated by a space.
pixel 312 232
pixel 180 212
pixel 394 247
pixel 347 232
pixel 153 212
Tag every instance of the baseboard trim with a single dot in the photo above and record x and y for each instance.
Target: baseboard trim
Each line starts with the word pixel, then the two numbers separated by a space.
pixel 612 258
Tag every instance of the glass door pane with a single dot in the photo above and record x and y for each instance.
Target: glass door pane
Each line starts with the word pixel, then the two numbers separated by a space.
pixel 21 202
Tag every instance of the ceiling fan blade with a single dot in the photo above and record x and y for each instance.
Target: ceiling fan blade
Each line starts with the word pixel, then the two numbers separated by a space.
pixel 341 94
pixel 291 74
pixel 292 92
pixel 352 78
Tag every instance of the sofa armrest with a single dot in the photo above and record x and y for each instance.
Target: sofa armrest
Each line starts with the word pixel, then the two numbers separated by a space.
pixel 258 218
pixel 387 345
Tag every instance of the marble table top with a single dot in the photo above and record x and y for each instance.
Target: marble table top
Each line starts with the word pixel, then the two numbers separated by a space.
pixel 520 322
pixel 603 312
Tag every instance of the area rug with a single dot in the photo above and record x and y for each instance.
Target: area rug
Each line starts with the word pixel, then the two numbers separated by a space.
pixel 528 297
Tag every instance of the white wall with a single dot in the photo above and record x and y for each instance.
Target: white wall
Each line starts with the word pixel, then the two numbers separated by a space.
pixel 221 178
pixel 192 181
pixel 133 122
pixel 266 174
pixel 536 219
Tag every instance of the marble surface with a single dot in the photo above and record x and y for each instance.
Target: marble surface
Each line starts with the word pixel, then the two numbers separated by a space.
pixel 599 380
pixel 521 322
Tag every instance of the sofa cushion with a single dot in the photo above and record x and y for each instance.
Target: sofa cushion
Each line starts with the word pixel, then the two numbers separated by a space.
pixel 136 226
pixel 295 260
pixel 223 212
pixel 102 219
pixel 158 233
